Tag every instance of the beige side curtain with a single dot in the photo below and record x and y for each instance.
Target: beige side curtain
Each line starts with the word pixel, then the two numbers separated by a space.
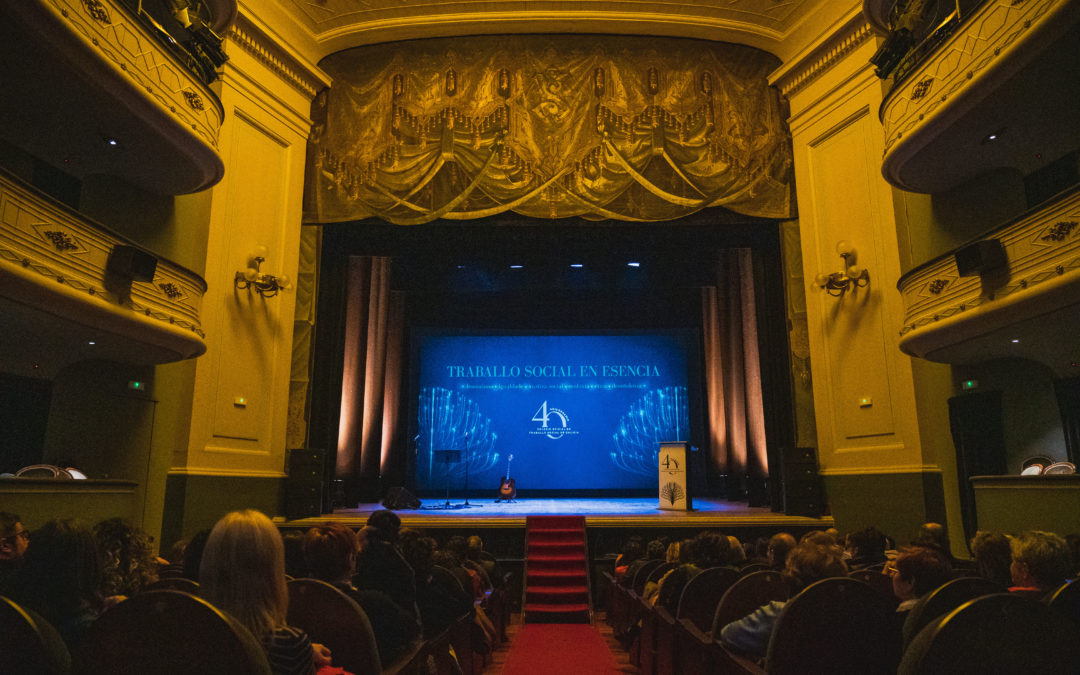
pixel 371 373
pixel 736 421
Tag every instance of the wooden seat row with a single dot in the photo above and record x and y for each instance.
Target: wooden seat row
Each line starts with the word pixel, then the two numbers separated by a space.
pixel 170 632
pixel 845 625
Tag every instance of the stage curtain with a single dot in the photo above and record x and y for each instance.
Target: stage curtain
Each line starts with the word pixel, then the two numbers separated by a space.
pixel 736 421
pixel 371 373
pixel 602 127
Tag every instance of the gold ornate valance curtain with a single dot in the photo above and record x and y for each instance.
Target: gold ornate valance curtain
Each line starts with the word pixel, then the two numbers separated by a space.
pixel 601 127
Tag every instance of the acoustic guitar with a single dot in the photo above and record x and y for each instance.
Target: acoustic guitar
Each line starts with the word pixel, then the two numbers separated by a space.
pixel 508 485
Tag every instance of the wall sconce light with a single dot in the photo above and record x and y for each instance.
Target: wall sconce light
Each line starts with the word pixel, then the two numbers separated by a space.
pixel 266 285
pixel 851 277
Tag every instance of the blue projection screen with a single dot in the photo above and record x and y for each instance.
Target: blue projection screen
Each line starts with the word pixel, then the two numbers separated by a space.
pixel 575 411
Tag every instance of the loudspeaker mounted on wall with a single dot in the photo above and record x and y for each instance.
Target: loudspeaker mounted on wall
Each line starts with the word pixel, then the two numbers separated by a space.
pixel 981 256
pixel 131 263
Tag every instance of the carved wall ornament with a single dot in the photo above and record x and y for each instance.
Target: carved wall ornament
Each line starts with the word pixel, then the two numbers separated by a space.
pixel 61 241
pixel 97 11
pixel 937 286
pixel 921 88
pixel 514 125
pixel 1059 231
pixel 194 100
pixel 171 290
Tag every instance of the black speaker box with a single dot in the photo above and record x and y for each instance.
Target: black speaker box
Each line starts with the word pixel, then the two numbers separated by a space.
pixel 304 484
pixel 131 263
pixel 398 498
pixel 802 489
pixel 980 257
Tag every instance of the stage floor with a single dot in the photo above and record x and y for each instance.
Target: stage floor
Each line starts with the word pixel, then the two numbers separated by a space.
pixel 617 512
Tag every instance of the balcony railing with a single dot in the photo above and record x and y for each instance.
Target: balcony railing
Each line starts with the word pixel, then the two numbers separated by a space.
pixel 63 301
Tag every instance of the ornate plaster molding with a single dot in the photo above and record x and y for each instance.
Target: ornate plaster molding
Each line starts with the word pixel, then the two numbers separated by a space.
pixel 818 58
pixel 305 79
pixel 1043 252
pixel 53 250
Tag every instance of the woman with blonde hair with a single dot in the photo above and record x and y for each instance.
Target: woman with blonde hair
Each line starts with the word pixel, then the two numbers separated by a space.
pixel 243 573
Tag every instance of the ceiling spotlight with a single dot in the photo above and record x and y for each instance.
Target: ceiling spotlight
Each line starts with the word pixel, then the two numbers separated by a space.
pixel 993 136
pixel 91 343
pixel 112 142
pixel 633 264
pixel 576 266
pixel 1015 341
pixel 516 267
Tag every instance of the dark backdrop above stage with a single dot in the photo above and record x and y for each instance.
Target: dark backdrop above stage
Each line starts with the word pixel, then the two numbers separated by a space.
pixel 575 412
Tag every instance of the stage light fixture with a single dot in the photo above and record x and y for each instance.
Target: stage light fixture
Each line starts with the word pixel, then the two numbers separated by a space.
pixel 266 285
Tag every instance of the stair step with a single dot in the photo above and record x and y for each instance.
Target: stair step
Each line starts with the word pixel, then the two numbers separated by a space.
pixel 556 595
pixel 544 548
pixel 555 577
pixel 544 613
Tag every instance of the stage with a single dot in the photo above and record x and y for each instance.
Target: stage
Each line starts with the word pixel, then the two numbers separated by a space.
pixel 605 513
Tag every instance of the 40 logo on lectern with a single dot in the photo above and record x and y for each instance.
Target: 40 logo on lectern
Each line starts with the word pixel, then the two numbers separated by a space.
pixel 554 422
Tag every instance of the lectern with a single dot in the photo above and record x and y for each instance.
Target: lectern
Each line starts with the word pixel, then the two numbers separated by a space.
pixel 674 468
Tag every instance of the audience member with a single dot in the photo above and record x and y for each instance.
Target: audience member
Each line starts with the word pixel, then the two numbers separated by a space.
pixel 865 548
pixel 916 571
pixel 295 565
pixel 993 557
pixel 243 573
pixel 129 564
pixel 807 563
pixel 61 578
pixel 173 568
pixel 631 551
pixel 439 606
pixel 819 537
pixel 710 549
pixel 1040 563
pixel 1073 542
pixel 934 535
pixel 13 542
pixel 780 545
pixel 193 553
pixel 330 555
pixel 379 565
pixel 459 547
pixel 489 565
pixel 736 556
pixel 654 550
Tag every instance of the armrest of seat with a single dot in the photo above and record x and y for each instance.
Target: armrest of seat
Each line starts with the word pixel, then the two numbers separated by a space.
pixel 412 662
pixel 695 632
pixel 664 615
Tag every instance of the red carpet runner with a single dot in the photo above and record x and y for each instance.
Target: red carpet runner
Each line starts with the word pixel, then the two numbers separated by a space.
pixel 559 649
pixel 556 584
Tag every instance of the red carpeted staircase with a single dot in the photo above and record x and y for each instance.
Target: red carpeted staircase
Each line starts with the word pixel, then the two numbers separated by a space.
pixel 556 570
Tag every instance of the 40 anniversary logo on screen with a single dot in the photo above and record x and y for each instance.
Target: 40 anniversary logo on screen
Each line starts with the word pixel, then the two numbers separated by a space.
pixel 554 422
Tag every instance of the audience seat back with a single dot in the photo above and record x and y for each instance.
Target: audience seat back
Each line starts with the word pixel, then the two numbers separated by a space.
pixel 875 579
pixel 1066 600
pixel 944 599
pixel 747 594
pixel 29 643
pixel 642 576
pixel 334 619
pixel 658 573
pixel 175 584
pixel 836 625
pixel 168 633
pixel 995 634
pixel 702 594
